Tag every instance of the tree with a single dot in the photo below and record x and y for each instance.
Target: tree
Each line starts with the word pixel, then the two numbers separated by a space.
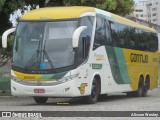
pixel 120 7
pixel 6 8
pixel 124 7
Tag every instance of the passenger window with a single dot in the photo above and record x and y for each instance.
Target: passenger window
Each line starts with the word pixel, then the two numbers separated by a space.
pixel 102 33
pixel 120 31
pixel 124 36
pixel 154 42
pixel 114 33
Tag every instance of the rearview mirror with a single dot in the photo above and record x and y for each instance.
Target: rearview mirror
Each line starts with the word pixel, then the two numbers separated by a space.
pixel 76 34
pixel 5 35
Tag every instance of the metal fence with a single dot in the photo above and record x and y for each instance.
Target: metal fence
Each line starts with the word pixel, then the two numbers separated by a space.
pixel 4 84
pixel 4 78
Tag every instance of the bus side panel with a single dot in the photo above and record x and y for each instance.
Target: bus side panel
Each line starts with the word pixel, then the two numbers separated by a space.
pixel 142 63
pixel 102 62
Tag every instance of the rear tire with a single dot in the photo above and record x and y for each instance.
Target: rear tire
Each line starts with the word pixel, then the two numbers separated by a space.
pixel 92 99
pixel 40 100
pixel 146 86
pixel 140 90
pixel 145 91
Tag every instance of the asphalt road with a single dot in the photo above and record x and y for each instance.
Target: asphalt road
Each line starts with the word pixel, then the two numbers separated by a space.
pixel 114 102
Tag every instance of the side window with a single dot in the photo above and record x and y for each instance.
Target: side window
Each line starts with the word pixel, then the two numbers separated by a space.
pixel 136 36
pixel 154 42
pixel 102 33
pixel 121 35
pixel 132 38
pixel 114 33
pixel 126 35
pixel 141 41
pixel 146 38
pixel 147 41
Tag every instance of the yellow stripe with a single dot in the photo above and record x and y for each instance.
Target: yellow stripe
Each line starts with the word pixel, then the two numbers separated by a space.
pixel 24 76
pixel 100 59
pixel 51 13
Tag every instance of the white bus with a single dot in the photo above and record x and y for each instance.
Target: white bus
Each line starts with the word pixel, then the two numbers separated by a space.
pixel 81 52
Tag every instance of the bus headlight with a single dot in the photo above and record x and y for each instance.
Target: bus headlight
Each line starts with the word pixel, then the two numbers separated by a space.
pixel 15 78
pixel 68 78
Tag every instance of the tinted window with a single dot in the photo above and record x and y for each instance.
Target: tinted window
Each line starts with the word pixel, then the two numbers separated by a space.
pixel 154 42
pixel 102 33
pixel 120 35
pixel 133 38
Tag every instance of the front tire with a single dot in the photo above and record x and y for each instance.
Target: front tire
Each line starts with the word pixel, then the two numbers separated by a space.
pixel 92 99
pixel 40 100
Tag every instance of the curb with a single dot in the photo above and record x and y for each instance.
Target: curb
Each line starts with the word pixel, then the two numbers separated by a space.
pixel 14 97
pixel 7 96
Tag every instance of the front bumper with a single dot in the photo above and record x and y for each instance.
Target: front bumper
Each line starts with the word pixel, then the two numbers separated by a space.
pixel 67 89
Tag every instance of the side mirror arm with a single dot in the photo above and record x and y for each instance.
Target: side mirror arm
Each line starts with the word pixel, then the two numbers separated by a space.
pixel 76 34
pixel 5 35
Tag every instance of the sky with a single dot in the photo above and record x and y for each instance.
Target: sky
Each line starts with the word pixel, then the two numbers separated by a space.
pixel 136 1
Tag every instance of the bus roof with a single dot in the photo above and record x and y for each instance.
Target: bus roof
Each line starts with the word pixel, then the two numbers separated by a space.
pixel 51 13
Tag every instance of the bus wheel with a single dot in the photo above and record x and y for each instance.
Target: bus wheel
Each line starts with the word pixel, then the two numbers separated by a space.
pixel 92 99
pixel 140 90
pixel 146 87
pixel 145 91
pixel 40 100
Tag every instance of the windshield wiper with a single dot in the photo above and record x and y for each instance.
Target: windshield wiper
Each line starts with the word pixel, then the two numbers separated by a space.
pixel 49 60
pixel 33 57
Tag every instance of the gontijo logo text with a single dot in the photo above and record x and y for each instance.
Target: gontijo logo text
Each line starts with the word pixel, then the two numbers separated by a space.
pixel 140 58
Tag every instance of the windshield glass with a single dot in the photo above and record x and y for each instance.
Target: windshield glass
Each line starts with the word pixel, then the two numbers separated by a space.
pixel 44 45
pixel 58 44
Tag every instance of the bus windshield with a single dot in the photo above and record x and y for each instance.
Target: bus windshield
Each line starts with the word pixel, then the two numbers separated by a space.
pixel 44 45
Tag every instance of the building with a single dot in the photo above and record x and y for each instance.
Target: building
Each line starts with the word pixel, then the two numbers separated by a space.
pixel 153 8
pixel 141 11
pixel 146 23
pixel 148 10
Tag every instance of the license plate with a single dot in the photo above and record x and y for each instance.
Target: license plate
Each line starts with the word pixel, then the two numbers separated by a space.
pixel 39 90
